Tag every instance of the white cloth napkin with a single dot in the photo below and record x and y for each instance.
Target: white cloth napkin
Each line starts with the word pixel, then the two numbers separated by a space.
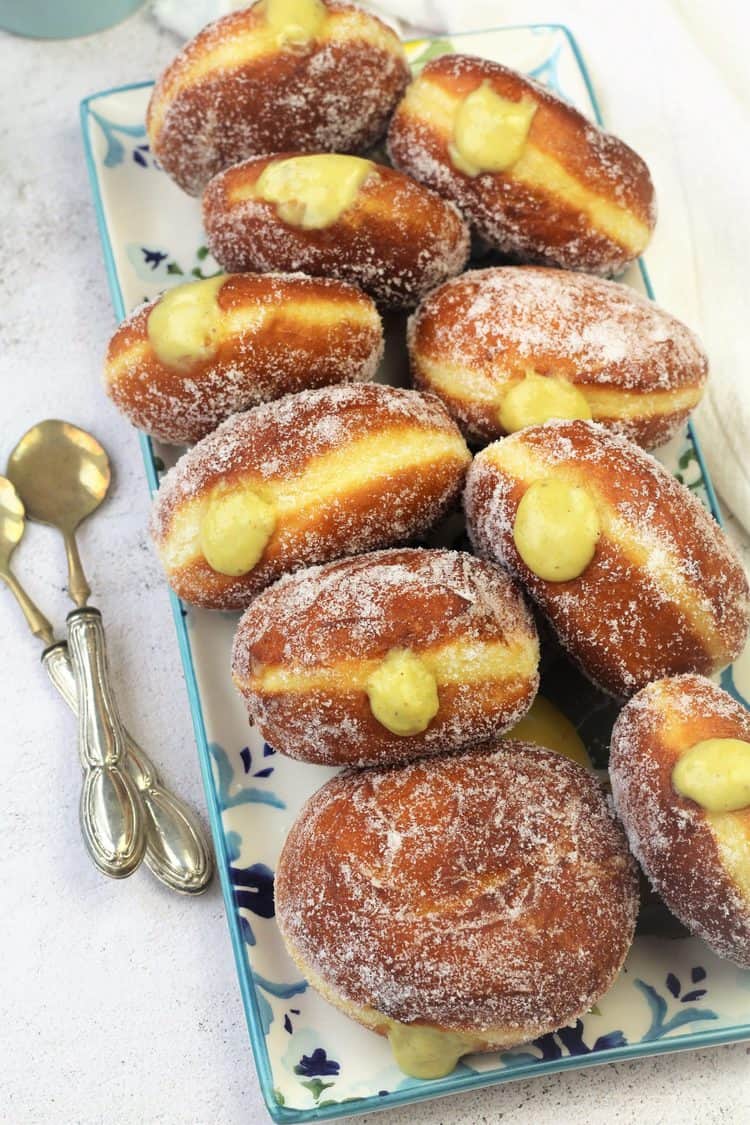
pixel 672 80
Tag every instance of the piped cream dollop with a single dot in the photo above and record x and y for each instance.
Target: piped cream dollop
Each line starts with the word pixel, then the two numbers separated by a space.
pixel 556 529
pixel 539 398
pixel 183 327
pixel 489 131
pixel 427 1052
pixel 403 693
pixel 235 530
pixel 296 22
pixel 715 773
pixel 312 192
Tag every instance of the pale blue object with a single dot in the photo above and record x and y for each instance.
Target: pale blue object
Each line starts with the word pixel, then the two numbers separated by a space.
pixel 63 19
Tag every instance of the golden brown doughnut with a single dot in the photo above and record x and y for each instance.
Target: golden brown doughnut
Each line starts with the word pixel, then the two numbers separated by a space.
pixel 635 576
pixel 313 75
pixel 183 363
pixel 335 216
pixel 535 178
pixel 385 657
pixel 517 345
pixel 303 480
pixel 459 904
pixel 697 858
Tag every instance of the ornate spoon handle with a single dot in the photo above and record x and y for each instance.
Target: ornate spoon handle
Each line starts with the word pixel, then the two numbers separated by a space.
pixel 112 815
pixel 177 851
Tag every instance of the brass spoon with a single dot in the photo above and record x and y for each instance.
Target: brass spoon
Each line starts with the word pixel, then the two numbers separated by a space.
pixel 12 524
pixel 177 852
pixel 62 475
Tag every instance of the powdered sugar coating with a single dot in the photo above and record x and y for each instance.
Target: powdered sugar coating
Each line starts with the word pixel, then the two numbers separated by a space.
pixel 525 222
pixel 276 442
pixel 271 356
pixel 334 95
pixel 619 620
pixel 358 610
pixel 397 240
pixel 584 329
pixel 670 835
pixel 488 892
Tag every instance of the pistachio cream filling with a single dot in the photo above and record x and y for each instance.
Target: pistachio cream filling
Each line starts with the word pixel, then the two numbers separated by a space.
pixel 715 773
pixel 537 399
pixel 235 530
pixel 427 1052
pixel 312 192
pixel 183 327
pixel 294 21
pixel 556 529
pixel 403 693
pixel 489 131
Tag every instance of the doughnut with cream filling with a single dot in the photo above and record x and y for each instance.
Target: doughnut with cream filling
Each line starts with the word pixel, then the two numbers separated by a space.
pixel 532 175
pixel 515 346
pixel 636 578
pixel 180 365
pixel 680 771
pixel 303 480
pixel 312 75
pixel 388 656
pixel 459 904
pixel 335 216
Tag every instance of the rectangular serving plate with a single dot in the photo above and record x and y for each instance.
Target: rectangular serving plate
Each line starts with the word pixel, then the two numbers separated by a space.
pixel 313 1063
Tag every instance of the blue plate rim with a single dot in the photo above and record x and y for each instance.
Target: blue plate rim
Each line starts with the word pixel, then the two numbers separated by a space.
pixel 429 1090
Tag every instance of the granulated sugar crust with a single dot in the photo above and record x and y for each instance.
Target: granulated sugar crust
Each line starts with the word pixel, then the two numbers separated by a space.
pixel 617 620
pixel 486 890
pixel 275 442
pixel 500 323
pixel 396 241
pixel 330 96
pixel 669 834
pixel 604 333
pixel 360 609
pixel 525 222
pixel 277 439
pixel 271 357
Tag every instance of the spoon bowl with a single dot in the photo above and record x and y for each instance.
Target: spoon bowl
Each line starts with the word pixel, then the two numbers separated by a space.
pixel 61 474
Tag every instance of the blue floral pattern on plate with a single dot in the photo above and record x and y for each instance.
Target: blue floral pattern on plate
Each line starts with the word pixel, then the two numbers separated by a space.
pixel 312 1061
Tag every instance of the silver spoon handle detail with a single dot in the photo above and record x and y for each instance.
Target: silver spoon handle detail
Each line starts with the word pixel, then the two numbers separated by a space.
pixel 112 815
pixel 177 850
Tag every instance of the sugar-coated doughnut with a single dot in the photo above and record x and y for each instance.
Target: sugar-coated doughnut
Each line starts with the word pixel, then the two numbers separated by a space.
pixel 680 772
pixel 335 216
pixel 303 480
pixel 459 904
pixel 536 179
pixel 385 657
pixel 183 363
pixel 517 345
pixel 313 75
pixel 637 579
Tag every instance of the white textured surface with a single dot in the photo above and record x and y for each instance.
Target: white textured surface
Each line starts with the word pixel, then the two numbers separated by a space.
pixel 118 1002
